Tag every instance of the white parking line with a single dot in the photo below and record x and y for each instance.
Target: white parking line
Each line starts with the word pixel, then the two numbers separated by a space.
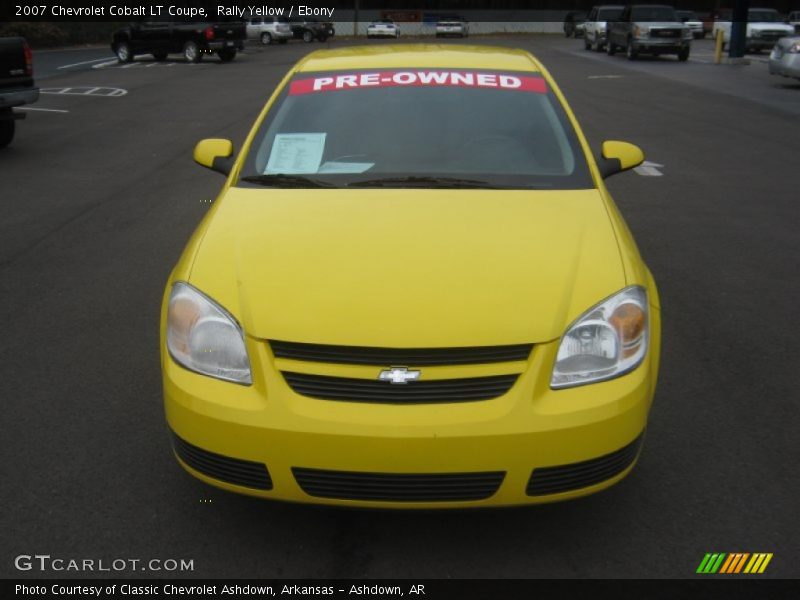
pixel 605 76
pixel 105 64
pixel 85 91
pixel 58 110
pixel 86 62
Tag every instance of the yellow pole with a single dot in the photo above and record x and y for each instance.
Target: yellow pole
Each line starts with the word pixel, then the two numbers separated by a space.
pixel 720 41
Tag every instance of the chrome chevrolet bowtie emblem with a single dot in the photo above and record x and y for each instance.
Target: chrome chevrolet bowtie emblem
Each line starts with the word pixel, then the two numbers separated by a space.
pixel 399 375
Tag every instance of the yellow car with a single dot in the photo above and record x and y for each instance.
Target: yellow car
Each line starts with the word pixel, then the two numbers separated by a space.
pixel 413 291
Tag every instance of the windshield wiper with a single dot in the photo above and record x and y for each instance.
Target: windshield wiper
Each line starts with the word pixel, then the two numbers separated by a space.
pixel 286 181
pixel 423 181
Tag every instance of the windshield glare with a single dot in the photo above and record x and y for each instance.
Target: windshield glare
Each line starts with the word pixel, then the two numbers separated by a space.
pixel 653 13
pixel 503 129
pixel 764 16
pixel 609 14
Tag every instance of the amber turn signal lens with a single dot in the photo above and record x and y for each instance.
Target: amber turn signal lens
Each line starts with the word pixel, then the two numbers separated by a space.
pixel 629 321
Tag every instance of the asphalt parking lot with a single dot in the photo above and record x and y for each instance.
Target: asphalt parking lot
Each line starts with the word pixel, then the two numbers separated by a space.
pixel 100 194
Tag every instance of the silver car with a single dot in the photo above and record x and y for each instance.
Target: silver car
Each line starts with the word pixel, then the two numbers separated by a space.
pixel 452 26
pixel 595 26
pixel 269 29
pixel 785 57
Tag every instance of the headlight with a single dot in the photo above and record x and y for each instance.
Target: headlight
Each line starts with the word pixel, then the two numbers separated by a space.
pixel 687 33
pixel 203 337
pixel 755 34
pixel 794 48
pixel 641 32
pixel 608 340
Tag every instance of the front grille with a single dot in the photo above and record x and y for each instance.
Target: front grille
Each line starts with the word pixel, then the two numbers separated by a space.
pixel 417 392
pixel 393 487
pixel 670 33
pixel 565 478
pixel 772 36
pixel 417 357
pixel 231 470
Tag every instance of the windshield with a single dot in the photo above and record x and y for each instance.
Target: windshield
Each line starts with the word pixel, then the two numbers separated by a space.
pixel 430 128
pixel 652 13
pixel 685 15
pixel 609 14
pixel 764 16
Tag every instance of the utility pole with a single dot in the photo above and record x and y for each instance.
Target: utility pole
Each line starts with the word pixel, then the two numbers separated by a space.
pixel 355 20
pixel 738 29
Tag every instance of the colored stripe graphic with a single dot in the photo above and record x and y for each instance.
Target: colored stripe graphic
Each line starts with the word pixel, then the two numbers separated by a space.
pixel 711 562
pixel 758 563
pixel 734 563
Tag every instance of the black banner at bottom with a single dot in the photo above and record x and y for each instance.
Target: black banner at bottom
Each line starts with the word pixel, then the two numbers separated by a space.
pixel 387 589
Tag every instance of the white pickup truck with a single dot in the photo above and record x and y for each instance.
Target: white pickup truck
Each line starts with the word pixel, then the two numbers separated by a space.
pixel 765 26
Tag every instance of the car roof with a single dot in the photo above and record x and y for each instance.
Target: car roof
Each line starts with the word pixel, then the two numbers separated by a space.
pixel 420 55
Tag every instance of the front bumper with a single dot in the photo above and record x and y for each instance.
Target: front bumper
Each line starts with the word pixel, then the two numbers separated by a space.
pixel 754 43
pixel 662 46
pixel 787 65
pixel 18 96
pixel 530 445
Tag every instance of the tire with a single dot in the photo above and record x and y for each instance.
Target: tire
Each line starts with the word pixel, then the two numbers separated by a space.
pixel 587 44
pixel 631 52
pixel 610 48
pixel 308 37
pixel 7 128
pixel 227 54
pixel 191 52
pixel 266 38
pixel 160 56
pixel 683 55
pixel 124 52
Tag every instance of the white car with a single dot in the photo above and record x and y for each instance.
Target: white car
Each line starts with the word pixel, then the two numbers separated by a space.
pixel 785 57
pixel 452 26
pixel 269 29
pixel 383 28
pixel 594 37
pixel 690 20
pixel 765 26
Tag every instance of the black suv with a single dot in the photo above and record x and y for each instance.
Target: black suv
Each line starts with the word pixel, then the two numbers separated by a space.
pixel 309 30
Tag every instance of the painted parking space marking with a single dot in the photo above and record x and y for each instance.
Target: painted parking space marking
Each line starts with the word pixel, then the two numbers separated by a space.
pixel 85 62
pixel 649 169
pixel 115 64
pixel 105 92
pixel 105 64
pixel 55 110
pixel 605 76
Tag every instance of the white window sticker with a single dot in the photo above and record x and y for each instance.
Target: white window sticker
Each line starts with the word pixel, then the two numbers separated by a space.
pixel 345 167
pixel 296 153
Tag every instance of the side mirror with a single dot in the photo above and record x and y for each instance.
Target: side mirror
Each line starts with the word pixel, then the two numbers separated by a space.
pixel 617 157
pixel 214 154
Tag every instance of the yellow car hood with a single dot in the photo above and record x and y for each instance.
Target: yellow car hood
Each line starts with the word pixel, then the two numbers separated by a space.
pixel 408 267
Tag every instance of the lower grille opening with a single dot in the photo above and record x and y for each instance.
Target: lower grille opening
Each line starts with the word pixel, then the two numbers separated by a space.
pixel 565 478
pixel 422 487
pixel 230 470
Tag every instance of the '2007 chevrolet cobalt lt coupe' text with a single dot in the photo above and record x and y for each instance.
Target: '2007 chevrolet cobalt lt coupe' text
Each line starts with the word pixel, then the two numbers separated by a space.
pixel 413 291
